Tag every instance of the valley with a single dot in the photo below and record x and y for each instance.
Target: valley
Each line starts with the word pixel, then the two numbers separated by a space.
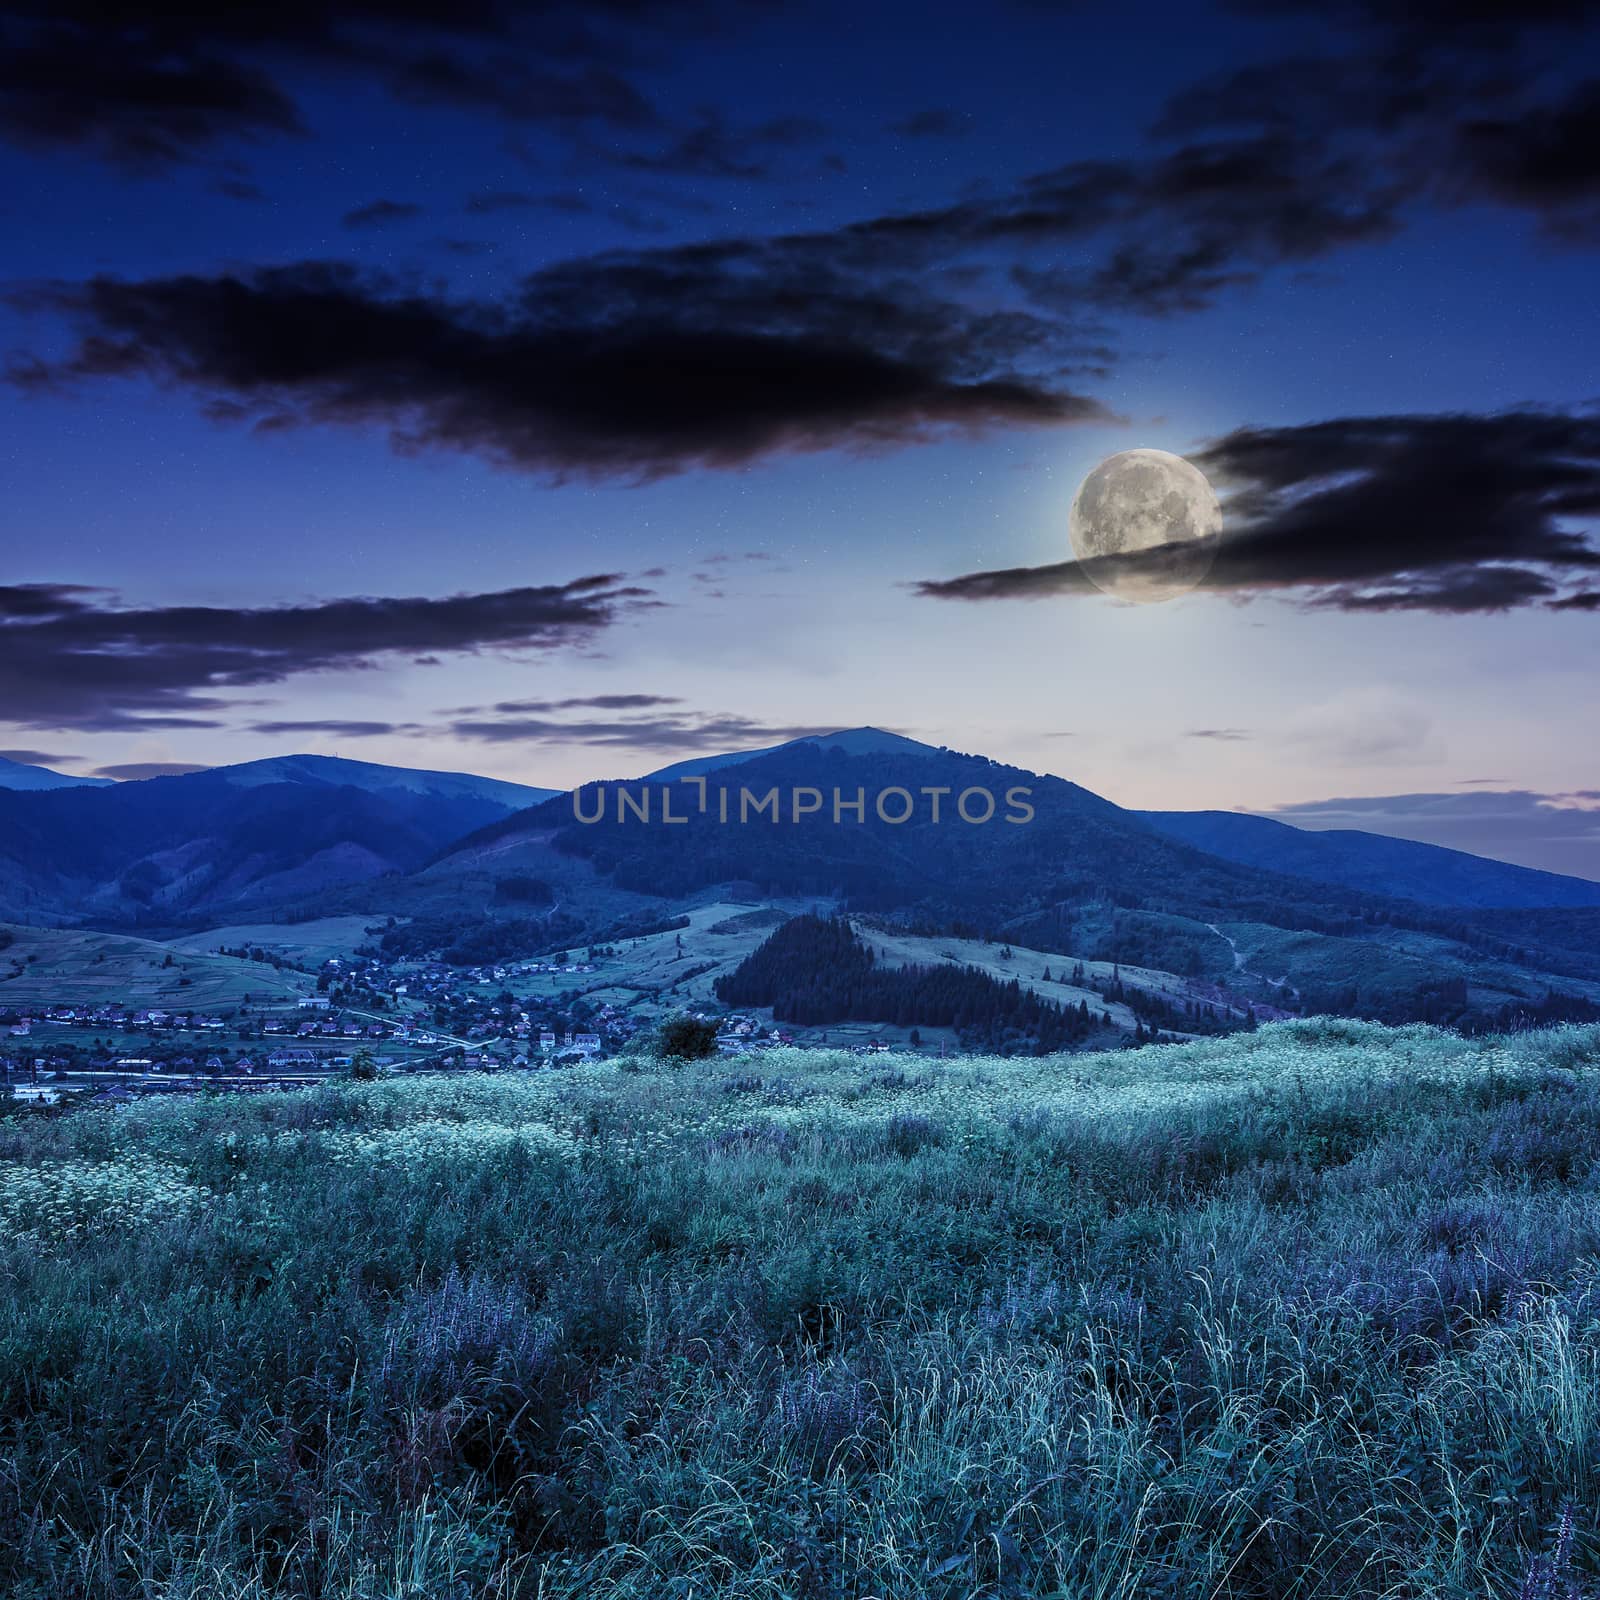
pixel 487 914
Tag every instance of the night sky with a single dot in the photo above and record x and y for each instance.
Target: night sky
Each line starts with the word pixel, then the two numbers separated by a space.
pixel 554 391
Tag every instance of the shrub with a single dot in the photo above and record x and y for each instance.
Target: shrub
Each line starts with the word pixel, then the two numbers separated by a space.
pixel 686 1038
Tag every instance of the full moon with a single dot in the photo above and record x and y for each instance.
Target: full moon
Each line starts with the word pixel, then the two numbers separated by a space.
pixel 1141 500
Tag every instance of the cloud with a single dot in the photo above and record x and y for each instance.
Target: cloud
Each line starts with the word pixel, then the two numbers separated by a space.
pixel 139 108
pixel 76 658
pixel 683 732
pixel 1455 104
pixel 590 702
pixel 628 365
pixel 1545 159
pixel 1223 735
pixel 39 758
pixel 1451 514
pixel 137 771
pixel 335 729
pixel 380 213
pixel 1555 832
pixel 147 85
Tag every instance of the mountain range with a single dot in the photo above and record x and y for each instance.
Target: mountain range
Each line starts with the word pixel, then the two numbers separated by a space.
pixel 180 850
pixel 302 836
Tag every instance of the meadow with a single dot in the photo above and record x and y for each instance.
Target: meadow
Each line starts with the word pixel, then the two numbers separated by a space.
pixel 1308 1312
pixel 79 966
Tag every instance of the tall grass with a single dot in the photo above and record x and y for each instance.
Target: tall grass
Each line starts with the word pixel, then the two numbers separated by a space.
pixel 1304 1313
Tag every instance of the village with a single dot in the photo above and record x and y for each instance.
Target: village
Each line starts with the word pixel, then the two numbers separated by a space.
pixel 366 1016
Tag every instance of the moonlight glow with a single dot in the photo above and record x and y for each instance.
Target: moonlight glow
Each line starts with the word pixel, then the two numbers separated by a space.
pixel 1145 500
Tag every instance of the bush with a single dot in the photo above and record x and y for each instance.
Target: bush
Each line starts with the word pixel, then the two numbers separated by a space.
pixel 684 1038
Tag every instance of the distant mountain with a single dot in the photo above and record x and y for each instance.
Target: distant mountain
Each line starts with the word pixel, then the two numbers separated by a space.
pixel 278 832
pixel 21 775
pixel 1374 862
pixel 1077 856
pixel 377 779
pixel 1235 906
pixel 1081 876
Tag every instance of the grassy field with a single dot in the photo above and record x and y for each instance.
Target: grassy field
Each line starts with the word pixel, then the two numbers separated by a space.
pixel 1309 1312
pixel 75 966
pixel 308 943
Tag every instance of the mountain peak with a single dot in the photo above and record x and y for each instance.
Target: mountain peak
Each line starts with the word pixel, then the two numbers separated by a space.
pixel 863 741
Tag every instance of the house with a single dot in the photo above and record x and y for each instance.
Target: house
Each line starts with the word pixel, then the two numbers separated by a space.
pixel 587 1044
pixel 35 1093
pixel 313 1002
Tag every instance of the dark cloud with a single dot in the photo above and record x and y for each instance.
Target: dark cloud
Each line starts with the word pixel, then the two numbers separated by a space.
pixel 137 771
pixel 335 729
pixel 939 122
pixel 1452 105
pixel 380 213
pixel 680 732
pixel 591 702
pixel 632 364
pixel 71 658
pixel 1160 232
pixel 139 108
pixel 1545 159
pixel 1224 735
pixel 1450 514
pixel 39 758
pixel 152 82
